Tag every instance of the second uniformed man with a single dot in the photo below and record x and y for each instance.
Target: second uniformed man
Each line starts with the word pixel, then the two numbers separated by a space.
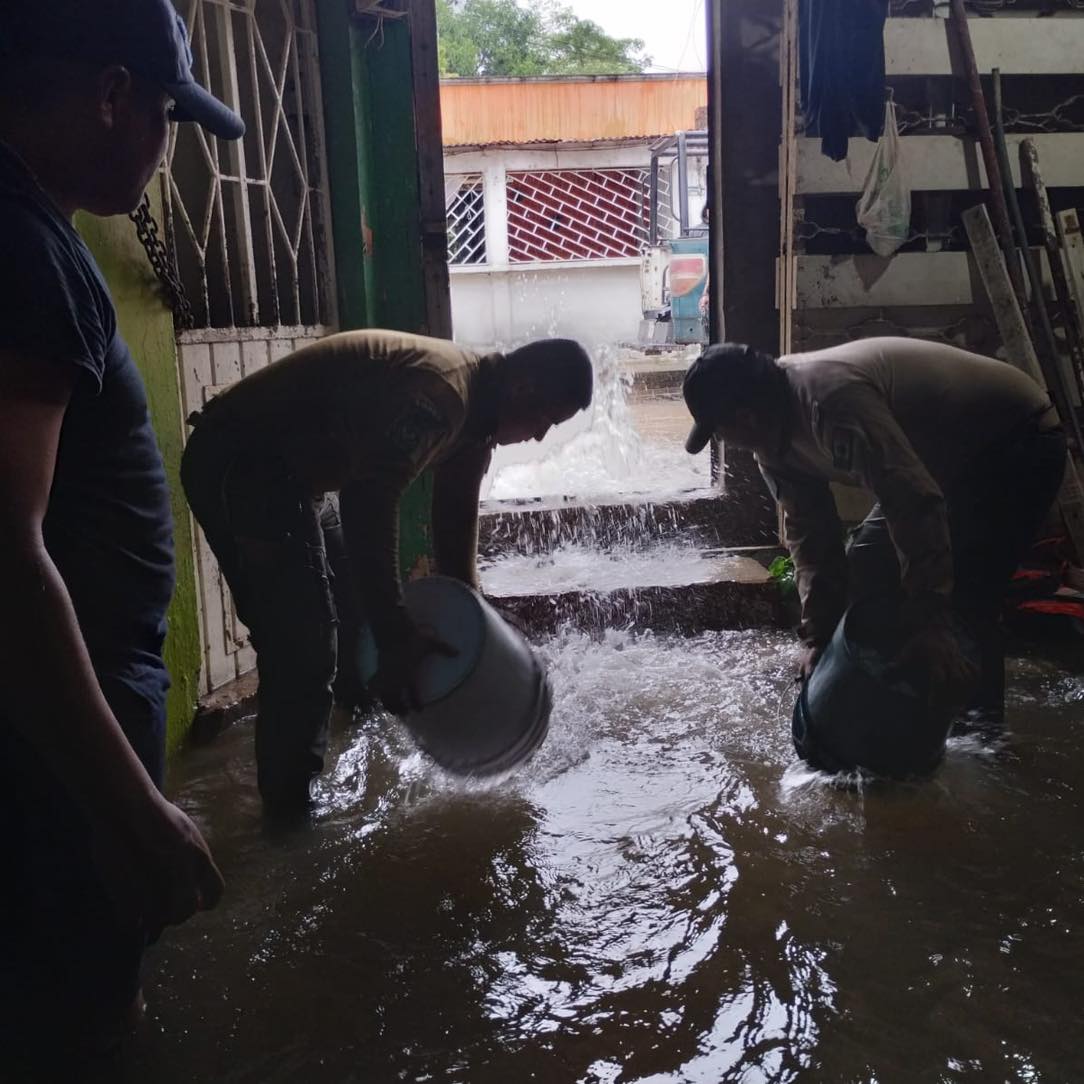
pixel 963 453
pixel 362 414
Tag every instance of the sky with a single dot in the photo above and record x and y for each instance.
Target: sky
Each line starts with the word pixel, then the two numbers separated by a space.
pixel 672 31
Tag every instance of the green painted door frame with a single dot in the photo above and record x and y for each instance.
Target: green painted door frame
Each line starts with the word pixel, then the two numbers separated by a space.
pixel 378 77
pixel 147 326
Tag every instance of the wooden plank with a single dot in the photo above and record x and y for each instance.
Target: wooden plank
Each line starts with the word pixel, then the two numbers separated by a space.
pixel 938 163
pixel 1018 46
pixel 1073 380
pixel 915 278
pixel 1072 240
pixel 995 278
pixel 254 356
pixel 218 667
pixel 906 279
pixel 196 374
pixel 1019 348
pixel 280 348
pixel 226 362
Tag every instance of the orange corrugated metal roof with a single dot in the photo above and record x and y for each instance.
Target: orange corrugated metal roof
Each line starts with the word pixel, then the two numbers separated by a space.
pixel 579 109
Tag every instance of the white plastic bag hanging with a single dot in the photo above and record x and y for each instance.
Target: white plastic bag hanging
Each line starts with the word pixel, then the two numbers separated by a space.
pixel 884 210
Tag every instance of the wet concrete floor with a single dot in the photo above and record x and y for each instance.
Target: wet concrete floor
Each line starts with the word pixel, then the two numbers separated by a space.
pixel 663 895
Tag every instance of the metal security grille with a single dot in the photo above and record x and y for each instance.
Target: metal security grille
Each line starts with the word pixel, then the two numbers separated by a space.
pixel 465 199
pixel 668 225
pixel 248 220
pixel 577 214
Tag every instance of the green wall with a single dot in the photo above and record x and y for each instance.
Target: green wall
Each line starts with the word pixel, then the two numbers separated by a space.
pixel 147 326
pixel 373 173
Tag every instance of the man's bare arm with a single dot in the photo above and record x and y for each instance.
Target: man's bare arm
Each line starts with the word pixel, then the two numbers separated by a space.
pixel 457 483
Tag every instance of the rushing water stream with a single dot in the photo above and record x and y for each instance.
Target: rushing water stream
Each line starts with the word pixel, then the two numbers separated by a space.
pixel 624 445
pixel 662 895
pixel 584 568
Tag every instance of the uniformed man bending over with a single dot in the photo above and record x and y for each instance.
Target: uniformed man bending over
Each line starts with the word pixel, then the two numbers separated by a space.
pixel 362 414
pixel 963 454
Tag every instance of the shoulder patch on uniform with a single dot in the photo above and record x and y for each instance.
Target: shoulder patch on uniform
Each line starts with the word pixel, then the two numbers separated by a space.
pixel 416 427
pixel 847 445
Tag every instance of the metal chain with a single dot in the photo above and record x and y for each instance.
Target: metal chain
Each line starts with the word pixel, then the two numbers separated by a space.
pixel 163 264
pixel 1060 118
pixel 806 230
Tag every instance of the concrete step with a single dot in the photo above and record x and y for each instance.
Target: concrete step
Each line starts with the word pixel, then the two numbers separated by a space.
pixel 702 518
pixel 688 609
pixel 667 589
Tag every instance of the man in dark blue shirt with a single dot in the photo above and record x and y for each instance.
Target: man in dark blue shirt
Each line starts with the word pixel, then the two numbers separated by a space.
pixel 96 860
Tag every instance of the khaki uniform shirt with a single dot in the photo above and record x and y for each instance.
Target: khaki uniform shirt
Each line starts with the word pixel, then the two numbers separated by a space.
pixel 363 405
pixel 365 413
pixel 902 418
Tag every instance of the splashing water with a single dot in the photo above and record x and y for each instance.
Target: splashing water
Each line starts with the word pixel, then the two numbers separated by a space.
pixel 578 567
pixel 598 454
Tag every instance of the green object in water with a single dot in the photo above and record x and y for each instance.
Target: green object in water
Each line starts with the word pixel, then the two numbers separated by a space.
pixel 781 571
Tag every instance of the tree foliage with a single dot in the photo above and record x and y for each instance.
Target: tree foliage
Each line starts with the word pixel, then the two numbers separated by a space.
pixel 501 38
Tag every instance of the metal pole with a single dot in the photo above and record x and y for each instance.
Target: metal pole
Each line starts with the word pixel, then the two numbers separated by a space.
pixel 1074 332
pixel 653 211
pixel 716 331
pixel 989 152
pixel 1045 343
pixel 683 182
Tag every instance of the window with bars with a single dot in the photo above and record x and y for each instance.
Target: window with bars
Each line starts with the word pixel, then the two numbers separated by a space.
pixel 248 221
pixel 577 214
pixel 465 201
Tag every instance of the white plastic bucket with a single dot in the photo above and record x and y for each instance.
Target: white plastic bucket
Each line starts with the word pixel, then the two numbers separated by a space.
pixel 486 709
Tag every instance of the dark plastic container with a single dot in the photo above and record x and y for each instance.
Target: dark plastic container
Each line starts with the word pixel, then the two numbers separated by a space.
pixel 851 714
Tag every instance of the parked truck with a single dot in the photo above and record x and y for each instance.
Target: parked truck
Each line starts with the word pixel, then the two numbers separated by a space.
pixel 674 264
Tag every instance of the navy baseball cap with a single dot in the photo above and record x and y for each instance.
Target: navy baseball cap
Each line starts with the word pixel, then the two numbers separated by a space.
pixel 148 37
pixel 707 388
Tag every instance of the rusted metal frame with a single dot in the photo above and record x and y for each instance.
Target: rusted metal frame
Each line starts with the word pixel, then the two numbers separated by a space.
pixel 1046 344
pixel 302 173
pixel 306 61
pixel 279 122
pixel 265 174
pixel 1032 172
pixel 1002 225
pixel 211 150
pixel 278 82
pixel 235 154
pixel 323 242
pixel 253 334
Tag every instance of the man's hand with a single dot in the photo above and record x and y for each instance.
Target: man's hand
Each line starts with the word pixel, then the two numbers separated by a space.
pixel 808 660
pixel 398 668
pixel 162 872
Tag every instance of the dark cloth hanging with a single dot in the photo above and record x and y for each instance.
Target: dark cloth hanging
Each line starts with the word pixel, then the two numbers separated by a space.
pixel 842 62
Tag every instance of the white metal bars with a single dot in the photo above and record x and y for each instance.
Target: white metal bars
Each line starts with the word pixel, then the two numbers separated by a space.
pixel 577 214
pixel 249 220
pixel 465 199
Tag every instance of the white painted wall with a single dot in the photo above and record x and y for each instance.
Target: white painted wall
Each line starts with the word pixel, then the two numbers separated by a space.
pixel 503 304
pixel 597 303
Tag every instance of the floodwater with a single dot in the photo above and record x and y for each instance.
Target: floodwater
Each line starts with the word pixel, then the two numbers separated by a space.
pixel 662 895
pixel 577 567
